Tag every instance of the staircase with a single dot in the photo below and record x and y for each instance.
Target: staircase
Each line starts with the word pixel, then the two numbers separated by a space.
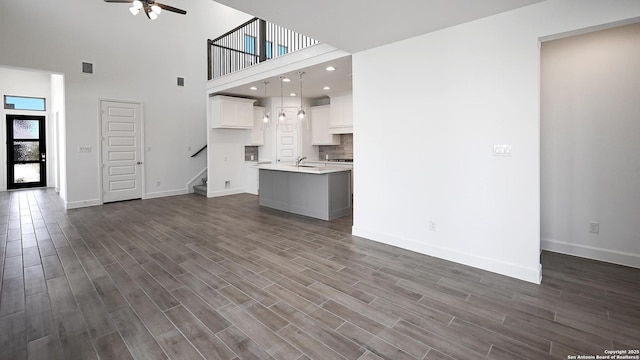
pixel 202 188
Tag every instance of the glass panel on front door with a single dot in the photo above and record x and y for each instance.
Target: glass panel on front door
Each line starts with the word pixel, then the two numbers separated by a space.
pixel 26 129
pixel 25 151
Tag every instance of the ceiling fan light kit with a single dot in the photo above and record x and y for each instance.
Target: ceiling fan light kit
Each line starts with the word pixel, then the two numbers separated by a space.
pixel 151 8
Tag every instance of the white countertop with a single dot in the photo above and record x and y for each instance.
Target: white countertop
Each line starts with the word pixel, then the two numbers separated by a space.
pixel 326 169
pixel 343 163
pixel 256 162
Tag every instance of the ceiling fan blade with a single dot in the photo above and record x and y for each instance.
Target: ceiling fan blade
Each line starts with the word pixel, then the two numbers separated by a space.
pixel 118 1
pixel 172 9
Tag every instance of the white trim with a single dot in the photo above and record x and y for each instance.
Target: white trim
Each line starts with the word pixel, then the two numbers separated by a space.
pixel 82 203
pixel 592 252
pixel 225 192
pixel 159 194
pixel 517 271
pixel 198 176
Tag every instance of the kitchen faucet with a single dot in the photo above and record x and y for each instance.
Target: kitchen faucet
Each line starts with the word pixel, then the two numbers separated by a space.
pixel 299 159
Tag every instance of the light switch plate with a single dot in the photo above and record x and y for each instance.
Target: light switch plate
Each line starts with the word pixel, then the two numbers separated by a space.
pixel 501 150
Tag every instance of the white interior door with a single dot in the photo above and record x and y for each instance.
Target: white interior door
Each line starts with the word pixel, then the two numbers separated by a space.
pixel 121 151
pixel 287 136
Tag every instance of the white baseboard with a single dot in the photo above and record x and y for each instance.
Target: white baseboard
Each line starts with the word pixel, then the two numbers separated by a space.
pixel 81 204
pixel 225 192
pixel 152 195
pixel 591 252
pixel 159 194
pixel 517 271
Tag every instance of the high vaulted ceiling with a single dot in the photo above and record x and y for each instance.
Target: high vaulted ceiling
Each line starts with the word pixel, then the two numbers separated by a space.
pixel 356 25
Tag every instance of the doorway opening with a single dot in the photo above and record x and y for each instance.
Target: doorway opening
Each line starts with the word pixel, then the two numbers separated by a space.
pixel 590 144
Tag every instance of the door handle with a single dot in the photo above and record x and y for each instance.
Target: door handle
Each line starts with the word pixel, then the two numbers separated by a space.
pixel 139 163
pixel 43 156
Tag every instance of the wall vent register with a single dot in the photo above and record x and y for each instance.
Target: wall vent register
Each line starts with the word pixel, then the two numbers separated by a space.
pixel 87 68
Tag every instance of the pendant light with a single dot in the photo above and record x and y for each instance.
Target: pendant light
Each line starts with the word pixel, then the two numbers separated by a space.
pixel 281 116
pixel 265 116
pixel 301 113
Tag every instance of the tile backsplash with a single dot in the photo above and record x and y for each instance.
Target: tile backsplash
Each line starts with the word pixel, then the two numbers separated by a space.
pixel 250 151
pixel 342 151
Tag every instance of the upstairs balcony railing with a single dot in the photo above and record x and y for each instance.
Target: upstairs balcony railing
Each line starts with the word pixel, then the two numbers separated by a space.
pixel 251 43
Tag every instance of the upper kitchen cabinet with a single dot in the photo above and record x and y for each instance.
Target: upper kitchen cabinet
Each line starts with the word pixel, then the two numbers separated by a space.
pixel 230 112
pixel 341 119
pixel 320 118
pixel 257 131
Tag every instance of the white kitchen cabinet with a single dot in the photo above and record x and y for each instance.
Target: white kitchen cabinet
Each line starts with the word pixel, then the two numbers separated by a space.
pixel 257 131
pixel 228 112
pixel 320 117
pixel 341 118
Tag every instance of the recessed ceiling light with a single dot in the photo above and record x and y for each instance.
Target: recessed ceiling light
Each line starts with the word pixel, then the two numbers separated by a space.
pixel 286 79
pixel 292 94
pixel 330 68
pixel 326 88
pixel 253 88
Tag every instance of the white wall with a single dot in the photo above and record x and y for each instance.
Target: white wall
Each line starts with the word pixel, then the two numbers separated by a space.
pixel 225 152
pixel 590 145
pixel 21 82
pixel 134 59
pixel 424 135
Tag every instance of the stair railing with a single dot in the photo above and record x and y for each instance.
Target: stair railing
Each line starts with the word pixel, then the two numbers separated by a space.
pixel 199 151
pixel 251 43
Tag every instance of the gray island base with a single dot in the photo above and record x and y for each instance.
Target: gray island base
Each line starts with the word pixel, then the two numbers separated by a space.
pixel 324 193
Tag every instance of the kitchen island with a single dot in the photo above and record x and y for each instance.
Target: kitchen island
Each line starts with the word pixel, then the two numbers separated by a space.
pixel 322 192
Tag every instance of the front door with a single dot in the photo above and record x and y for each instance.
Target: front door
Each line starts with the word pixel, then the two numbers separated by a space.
pixel 121 151
pixel 26 152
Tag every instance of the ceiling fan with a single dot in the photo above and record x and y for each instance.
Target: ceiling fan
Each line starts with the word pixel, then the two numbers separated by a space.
pixel 151 8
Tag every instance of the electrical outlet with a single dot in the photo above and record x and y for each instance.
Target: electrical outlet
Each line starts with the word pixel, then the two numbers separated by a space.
pixel 432 226
pixel 594 227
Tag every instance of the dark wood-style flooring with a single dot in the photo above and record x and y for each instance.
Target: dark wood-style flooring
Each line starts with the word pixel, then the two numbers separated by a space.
pixel 187 277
